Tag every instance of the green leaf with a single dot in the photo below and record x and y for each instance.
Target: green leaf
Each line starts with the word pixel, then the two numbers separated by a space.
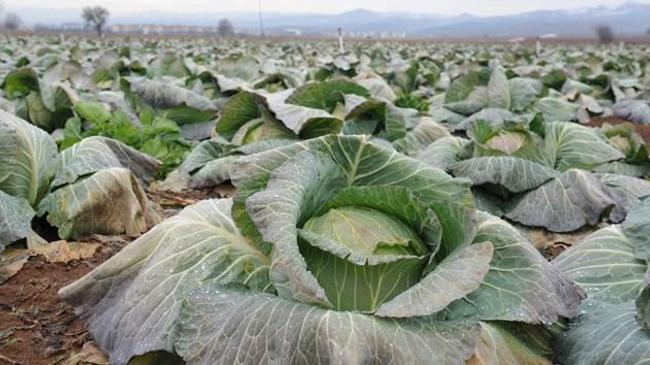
pixel 325 95
pixel 523 92
pixel 643 306
pixel 220 326
pixel 626 191
pixel 637 228
pixel 203 153
pixel 168 64
pixel 443 153
pixel 468 94
pixel 556 110
pixel 513 173
pixel 20 82
pixel 501 343
pixel 96 153
pixel 210 172
pixel 605 266
pixel 576 146
pixel 620 340
pixel 499 89
pixel 15 219
pixel 305 121
pixel 237 111
pixel 452 279
pixel 28 167
pixel 521 285
pixel 366 232
pixel 132 301
pixel 564 204
pixel 175 102
pixel 425 132
pixel 93 112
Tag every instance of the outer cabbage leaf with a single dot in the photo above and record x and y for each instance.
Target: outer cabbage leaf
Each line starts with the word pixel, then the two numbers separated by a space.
pixel 626 191
pixel 237 111
pixel 637 111
pixel 493 116
pixel 15 219
pixel 96 153
pixel 498 89
pixel 521 285
pixel 563 204
pixel 325 95
pixel 637 228
pixel 425 132
pixel 576 146
pixel 306 121
pixel 608 336
pixel 28 159
pixel 220 326
pixel 605 266
pixel 523 92
pixel 555 109
pixel 132 301
pixel 215 171
pixel 111 201
pixel 643 306
pixel 513 173
pixel 455 277
pixel 468 93
pixel 504 343
pixel 443 153
pixel 203 153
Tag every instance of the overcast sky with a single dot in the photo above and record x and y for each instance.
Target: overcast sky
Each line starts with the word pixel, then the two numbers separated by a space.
pixel 478 7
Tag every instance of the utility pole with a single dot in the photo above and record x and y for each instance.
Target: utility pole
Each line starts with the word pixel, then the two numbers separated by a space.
pixel 259 9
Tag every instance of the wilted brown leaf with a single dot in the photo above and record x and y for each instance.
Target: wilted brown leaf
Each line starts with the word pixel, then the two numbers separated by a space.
pixel 60 251
pixel 89 354
pixel 12 261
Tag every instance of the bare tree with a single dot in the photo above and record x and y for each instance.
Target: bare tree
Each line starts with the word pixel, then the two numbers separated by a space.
pixel 225 29
pixel 12 22
pixel 96 17
pixel 605 34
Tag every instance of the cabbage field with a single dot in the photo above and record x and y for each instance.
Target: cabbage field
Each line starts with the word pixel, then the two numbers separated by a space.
pixel 279 202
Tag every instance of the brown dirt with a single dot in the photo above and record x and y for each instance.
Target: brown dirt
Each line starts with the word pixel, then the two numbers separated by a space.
pixel 172 200
pixel 36 327
pixel 643 130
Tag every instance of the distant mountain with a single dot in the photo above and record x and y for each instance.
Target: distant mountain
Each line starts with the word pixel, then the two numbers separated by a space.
pixel 626 19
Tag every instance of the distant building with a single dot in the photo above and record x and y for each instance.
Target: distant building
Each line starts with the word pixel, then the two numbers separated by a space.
pixel 159 29
pixel 294 31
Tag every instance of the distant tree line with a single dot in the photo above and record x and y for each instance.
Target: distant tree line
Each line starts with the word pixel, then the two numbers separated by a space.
pixel 11 22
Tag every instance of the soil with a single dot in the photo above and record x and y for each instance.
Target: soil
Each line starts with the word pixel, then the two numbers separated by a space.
pixel 643 130
pixel 181 199
pixel 36 327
